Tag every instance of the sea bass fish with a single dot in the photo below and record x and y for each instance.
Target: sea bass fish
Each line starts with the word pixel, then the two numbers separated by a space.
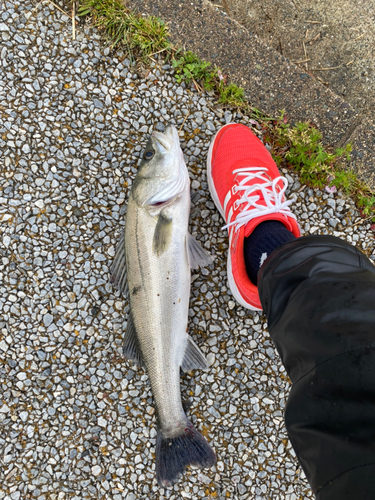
pixel 152 265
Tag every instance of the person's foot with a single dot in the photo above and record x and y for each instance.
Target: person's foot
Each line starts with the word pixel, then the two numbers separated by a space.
pixel 247 189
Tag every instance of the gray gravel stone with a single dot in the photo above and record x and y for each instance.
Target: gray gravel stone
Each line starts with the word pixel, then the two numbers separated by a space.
pixel 333 222
pixel 96 470
pixel 47 319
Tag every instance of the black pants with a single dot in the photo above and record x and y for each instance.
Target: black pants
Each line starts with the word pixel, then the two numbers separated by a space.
pixel 318 293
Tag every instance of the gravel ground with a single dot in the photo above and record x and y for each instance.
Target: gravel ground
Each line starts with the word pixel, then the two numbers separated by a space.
pixel 77 420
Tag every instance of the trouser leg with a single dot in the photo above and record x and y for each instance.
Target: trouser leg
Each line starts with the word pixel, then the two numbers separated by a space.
pixel 318 293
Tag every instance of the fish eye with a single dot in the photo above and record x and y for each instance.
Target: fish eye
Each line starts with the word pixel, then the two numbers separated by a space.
pixel 148 154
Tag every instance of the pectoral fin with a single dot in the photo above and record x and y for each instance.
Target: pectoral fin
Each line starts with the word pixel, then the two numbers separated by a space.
pixel 162 235
pixel 197 256
pixel 131 349
pixel 194 358
pixel 118 269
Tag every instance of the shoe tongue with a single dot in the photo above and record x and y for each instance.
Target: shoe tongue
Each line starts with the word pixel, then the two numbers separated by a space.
pixel 252 224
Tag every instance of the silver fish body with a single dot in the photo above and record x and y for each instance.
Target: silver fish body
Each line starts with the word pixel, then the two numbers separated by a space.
pixel 157 252
pixel 159 288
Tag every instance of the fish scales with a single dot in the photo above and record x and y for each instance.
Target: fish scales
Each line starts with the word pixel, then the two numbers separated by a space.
pixel 161 286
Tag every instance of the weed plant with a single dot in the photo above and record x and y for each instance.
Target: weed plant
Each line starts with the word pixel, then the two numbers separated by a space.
pixel 301 146
pixel 190 68
pixel 140 35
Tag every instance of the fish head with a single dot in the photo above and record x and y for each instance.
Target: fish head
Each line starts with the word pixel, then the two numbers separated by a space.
pixel 162 174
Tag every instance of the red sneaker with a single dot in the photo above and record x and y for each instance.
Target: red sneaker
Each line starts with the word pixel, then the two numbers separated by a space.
pixel 247 189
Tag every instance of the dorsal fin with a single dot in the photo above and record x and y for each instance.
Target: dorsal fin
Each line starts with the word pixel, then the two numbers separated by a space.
pixel 118 269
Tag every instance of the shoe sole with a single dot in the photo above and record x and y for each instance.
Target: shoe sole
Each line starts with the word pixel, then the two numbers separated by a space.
pixel 211 186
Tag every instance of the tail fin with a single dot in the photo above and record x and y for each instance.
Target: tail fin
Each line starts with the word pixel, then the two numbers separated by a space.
pixel 174 454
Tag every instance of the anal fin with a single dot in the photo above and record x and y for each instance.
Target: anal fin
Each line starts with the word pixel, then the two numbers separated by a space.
pixel 194 358
pixel 197 256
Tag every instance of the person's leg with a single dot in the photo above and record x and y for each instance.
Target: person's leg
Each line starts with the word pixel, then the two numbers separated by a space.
pixel 318 294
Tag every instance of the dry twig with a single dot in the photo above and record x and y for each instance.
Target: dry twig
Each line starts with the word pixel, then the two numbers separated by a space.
pixel 363 220
pixel 197 86
pixel 183 123
pixel 74 21
pixel 300 62
pixel 325 69
pixel 226 7
pixel 37 5
pixel 158 52
pixel 304 49
pixel 57 7
pixel 313 39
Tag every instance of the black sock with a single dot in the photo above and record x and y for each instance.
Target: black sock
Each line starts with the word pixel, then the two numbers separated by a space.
pixel 265 238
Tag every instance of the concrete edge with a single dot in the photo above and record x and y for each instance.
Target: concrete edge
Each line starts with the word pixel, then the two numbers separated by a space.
pixel 271 81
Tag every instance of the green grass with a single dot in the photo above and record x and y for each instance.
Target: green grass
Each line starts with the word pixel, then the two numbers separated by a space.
pixel 141 36
pixel 306 153
pixel 300 146
pixel 190 68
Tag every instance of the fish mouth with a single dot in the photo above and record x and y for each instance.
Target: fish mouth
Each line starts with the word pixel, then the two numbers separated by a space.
pixel 164 141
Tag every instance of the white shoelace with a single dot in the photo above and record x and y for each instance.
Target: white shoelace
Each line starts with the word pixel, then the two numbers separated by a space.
pixel 272 195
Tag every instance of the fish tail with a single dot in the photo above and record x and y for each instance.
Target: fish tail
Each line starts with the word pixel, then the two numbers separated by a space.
pixel 174 454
